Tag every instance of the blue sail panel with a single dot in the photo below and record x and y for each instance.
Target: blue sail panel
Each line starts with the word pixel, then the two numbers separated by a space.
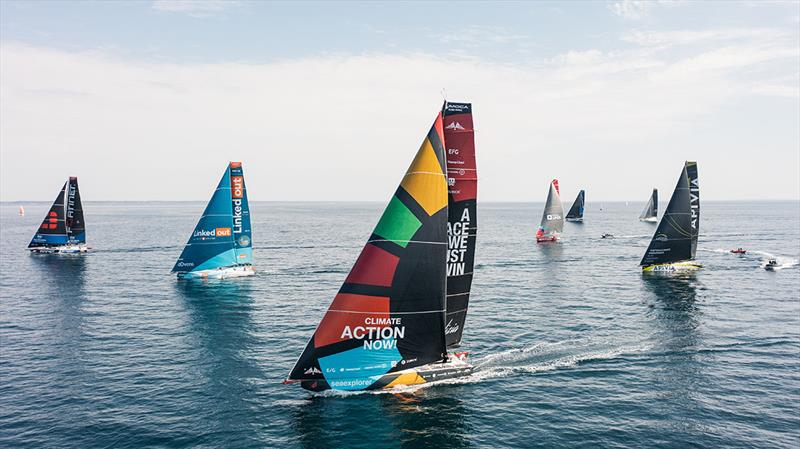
pixel 242 232
pixel 213 235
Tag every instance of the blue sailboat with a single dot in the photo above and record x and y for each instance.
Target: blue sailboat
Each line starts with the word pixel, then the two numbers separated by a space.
pixel 63 230
pixel 221 244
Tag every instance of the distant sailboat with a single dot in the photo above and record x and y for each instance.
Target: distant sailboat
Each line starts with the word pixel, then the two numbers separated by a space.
pixel 63 229
pixel 674 244
pixel 388 325
pixel 221 244
pixel 650 212
pixel 576 211
pixel 553 217
pixel 21 211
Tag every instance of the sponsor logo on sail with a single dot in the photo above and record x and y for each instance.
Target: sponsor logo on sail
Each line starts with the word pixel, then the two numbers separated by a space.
pixel 455 126
pixel 244 240
pixel 223 232
pixel 553 217
pixel 183 264
pixel 377 332
pixel 312 370
pixel 451 327
pixel 457 243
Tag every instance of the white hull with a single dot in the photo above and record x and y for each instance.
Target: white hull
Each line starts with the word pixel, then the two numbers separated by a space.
pixel 577 220
pixel 649 220
pixel 63 249
pixel 220 273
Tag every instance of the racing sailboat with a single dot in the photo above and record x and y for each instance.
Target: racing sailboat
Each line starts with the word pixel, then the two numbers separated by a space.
pixel 674 244
pixel 553 216
pixel 221 244
pixel 63 229
pixel 386 327
pixel 576 211
pixel 650 212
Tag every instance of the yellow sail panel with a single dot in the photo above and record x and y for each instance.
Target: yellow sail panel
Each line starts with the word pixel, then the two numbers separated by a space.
pixel 424 180
pixel 411 378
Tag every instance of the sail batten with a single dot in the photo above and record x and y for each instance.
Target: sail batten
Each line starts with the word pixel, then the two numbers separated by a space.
pixel 675 239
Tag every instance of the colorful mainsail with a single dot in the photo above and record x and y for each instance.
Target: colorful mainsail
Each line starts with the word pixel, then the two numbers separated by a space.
pixel 576 211
pixel 462 222
pixel 675 239
pixel 553 216
pixel 222 237
pixel 650 212
pixel 389 313
pixel 63 224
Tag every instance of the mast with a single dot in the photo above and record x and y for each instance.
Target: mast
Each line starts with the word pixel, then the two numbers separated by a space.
pixel 53 229
pixel 462 222
pixel 576 211
pixel 389 313
pixel 675 239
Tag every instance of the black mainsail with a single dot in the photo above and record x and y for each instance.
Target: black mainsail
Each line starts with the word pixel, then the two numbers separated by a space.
pixel 576 211
pixel 389 314
pixel 650 212
pixel 462 180
pixel 675 239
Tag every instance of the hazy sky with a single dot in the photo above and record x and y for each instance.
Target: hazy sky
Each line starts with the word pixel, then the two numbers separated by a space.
pixel 330 101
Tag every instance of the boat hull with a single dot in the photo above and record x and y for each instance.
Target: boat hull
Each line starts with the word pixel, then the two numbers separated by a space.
pixel 220 273
pixel 575 220
pixel 547 239
pixel 649 220
pixel 675 267
pixel 62 249
pixel 456 366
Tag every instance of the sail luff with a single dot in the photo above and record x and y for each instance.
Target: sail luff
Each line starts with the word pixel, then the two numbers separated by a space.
pixel 389 313
pixel 675 239
pixel 459 144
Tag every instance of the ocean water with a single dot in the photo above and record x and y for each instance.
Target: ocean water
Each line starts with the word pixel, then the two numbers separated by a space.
pixel 574 346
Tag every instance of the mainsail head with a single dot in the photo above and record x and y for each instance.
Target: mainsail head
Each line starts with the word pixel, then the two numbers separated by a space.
pixel 675 239
pixel 576 211
pixel 462 224
pixel 389 313
pixel 222 237
pixel 553 216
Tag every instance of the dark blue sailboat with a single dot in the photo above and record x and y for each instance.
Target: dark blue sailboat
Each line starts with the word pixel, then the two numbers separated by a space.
pixel 63 229
pixel 221 244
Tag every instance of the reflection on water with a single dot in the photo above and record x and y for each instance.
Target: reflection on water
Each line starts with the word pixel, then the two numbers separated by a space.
pixel 423 418
pixel 62 291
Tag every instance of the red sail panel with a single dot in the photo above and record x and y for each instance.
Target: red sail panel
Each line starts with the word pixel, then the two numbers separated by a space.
pixel 346 314
pixel 373 267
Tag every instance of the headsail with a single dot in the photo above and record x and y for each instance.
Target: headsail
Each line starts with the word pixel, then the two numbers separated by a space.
pixel 389 313
pixel 462 180
pixel 53 230
pixel 675 239
pixel 576 211
pixel 553 216
pixel 650 211
pixel 222 237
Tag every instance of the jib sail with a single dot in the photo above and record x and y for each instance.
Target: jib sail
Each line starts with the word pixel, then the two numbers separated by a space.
pixel 576 211
pixel 389 313
pixel 76 228
pixel 651 209
pixel 675 239
pixel 462 222
pixel 222 237
pixel 53 230
pixel 553 216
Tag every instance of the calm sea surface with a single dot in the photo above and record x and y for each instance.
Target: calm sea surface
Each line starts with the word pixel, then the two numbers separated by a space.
pixel 574 346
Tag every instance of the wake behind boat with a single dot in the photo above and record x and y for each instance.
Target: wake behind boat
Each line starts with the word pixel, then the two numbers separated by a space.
pixel 674 244
pixel 650 212
pixel 221 244
pixel 63 229
pixel 576 211
pixel 553 216
pixel 404 302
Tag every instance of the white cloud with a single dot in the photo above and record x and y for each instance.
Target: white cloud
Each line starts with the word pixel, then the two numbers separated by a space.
pixel 692 37
pixel 345 127
pixel 194 8
pixel 638 9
